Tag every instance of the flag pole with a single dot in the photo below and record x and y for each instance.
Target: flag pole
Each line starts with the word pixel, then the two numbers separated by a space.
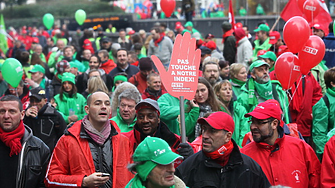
pixel 274 25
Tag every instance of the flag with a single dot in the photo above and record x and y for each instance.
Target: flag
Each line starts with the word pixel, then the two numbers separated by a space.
pixel 231 15
pixel 292 9
pixel 3 36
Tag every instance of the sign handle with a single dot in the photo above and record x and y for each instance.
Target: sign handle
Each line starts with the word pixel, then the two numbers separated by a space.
pixel 182 119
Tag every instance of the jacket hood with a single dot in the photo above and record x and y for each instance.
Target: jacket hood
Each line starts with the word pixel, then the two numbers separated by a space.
pixel 239 34
pixel 28 133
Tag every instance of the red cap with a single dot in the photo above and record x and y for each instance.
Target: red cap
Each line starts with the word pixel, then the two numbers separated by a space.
pixel 274 36
pixel 239 25
pixel 219 120
pixel 35 40
pixel 265 110
pixel 24 31
pixel 131 32
pixel 211 45
pixel 282 49
pixel 261 52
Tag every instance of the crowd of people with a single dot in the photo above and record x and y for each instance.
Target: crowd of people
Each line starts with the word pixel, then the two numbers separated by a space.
pixel 90 112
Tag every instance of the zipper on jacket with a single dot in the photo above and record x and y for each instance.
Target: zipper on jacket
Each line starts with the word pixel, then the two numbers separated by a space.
pixel 18 182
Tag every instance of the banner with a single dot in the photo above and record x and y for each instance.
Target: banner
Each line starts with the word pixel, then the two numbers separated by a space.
pixel 3 36
pixel 231 15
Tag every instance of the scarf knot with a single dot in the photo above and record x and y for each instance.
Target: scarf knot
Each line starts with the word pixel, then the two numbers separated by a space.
pixel 222 154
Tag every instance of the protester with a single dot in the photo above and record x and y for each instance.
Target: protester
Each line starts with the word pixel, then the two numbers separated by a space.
pixel 262 43
pixel 154 170
pixel 211 71
pixel 61 67
pixel 44 120
pixel 69 102
pixel 238 77
pixel 21 152
pixel 260 88
pixel 224 92
pixel 119 79
pixel 160 46
pixel 329 41
pixel 106 64
pixel 220 162
pixel 224 70
pixel 21 91
pixel 244 47
pixel 140 79
pixel 272 149
pixel 229 42
pixel 154 87
pixel 81 155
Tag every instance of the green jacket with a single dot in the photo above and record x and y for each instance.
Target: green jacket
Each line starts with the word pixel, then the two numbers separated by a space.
pixel 242 126
pixel 170 110
pixel 76 103
pixel 124 127
pixel 323 122
pixel 318 72
pixel 236 89
pixel 278 94
pixel 52 59
pixel 265 46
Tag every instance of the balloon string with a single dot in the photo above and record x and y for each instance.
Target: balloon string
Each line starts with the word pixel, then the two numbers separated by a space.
pixel 291 97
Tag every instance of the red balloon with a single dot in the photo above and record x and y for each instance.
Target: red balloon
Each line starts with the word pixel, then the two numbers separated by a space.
pixel 311 9
pixel 296 33
pixel 287 69
pixel 301 4
pixel 168 7
pixel 312 53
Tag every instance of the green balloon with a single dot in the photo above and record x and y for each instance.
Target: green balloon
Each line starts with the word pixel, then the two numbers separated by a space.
pixel 12 71
pixel 48 20
pixel 80 16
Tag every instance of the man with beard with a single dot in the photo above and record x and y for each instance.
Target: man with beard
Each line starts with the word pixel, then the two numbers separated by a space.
pixel 220 163
pixel 285 160
pixel 148 123
pixel 260 88
pixel 211 72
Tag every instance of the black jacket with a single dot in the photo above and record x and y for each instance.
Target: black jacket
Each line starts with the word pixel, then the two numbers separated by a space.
pixel 240 172
pixel 49 125
pixel 34 161
pixel 229 49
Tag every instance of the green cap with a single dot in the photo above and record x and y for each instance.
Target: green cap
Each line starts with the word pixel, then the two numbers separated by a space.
pixel 68 77
pixel 257 63
pixel 37 68
pixel 120 77
pixel 270 55
pixel 262 27
pixel 153 151
pixel 189 23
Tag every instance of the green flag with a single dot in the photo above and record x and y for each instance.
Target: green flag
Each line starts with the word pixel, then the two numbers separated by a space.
pixel 3 36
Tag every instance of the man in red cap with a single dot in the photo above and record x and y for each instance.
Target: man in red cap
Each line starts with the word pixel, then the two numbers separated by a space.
pixel 220 163
pixel 285 160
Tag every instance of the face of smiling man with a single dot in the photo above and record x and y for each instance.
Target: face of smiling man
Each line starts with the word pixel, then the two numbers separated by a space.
pixel 147 121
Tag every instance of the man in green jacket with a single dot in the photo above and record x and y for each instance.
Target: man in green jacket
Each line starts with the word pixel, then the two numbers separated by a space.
pixel 323 115
pixel 262 43
pixel 260 88
pixel 126 114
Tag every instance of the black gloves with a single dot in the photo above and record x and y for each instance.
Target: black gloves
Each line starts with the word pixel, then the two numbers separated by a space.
pixel 185 150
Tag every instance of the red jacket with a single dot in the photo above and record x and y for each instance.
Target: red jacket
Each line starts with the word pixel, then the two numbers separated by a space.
pixel 139 81
pixel 303 102
pixel 147 94
pixel 72 160
pixel 108 66
pixel 327 166
pixel 289 162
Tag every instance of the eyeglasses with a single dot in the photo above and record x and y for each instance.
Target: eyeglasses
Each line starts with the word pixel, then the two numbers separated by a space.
pixel 259 122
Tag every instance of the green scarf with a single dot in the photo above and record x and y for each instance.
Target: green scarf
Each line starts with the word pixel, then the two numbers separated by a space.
pixel 331 91
pixel 264 91
pixel 239 82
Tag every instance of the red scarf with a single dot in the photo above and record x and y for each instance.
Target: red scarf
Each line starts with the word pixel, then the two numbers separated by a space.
pixel 222 154
pixel 13 139
pixel 160 39
pixel 227 34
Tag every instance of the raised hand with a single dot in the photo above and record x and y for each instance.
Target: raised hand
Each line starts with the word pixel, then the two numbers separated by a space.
pixel 181 79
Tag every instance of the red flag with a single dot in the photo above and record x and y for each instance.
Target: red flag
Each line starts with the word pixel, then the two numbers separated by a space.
pixel 231 15
pixel 292 9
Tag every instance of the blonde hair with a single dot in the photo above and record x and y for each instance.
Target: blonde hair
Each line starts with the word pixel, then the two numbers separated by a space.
pixel 95 83
pixel 235 69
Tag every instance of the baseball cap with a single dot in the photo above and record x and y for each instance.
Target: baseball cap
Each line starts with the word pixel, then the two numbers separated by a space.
pixel 105 39
pixel 37 68
pixel 188 24
pixel 262 27
pixel 205 50
pixel 156 150
pixel 257 63
pixel 265 110
pixel 209 36
pixel 68 77
pixel 317 26
pixel 153 151
pixel 219 120
pixel 270 55
pixel 211 45
pixel 274 36
pixel 38 93
pixel 147 103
